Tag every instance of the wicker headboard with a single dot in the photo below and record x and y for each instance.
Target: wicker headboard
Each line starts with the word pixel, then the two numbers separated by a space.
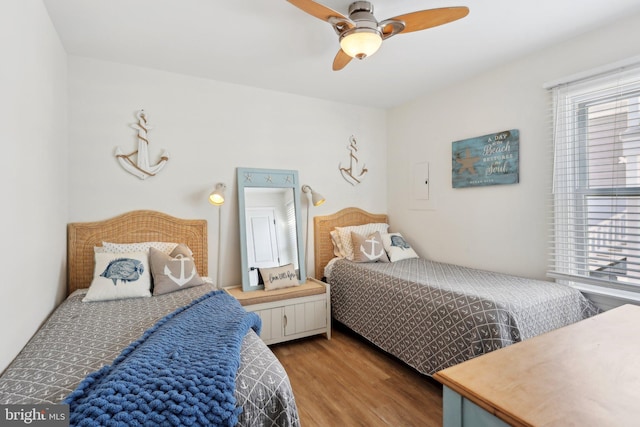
pixel 322 225
pixel 131 227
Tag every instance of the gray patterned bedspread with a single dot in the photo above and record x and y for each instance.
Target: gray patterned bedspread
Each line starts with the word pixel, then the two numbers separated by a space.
pixel 80 338
pixel 433 315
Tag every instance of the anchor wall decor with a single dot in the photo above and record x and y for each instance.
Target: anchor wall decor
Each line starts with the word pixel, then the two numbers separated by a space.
pixel 141 167
pixel 351 174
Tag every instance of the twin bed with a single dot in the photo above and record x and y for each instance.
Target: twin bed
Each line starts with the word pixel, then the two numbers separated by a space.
pixel 80 338
pixel 434 315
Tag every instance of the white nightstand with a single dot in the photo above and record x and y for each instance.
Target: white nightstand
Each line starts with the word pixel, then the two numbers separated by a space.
pixel 289 313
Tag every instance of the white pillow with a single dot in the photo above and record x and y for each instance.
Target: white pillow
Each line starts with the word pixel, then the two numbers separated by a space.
pixel 344 233
pixel 338 251
pixel 397 248
pixel 119 276
pixel 118 248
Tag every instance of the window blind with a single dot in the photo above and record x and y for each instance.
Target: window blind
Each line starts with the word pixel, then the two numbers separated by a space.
pixel 292 232
pixel 596 182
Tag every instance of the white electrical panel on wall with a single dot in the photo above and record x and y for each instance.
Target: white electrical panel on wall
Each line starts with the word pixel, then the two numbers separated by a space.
pixel 421 194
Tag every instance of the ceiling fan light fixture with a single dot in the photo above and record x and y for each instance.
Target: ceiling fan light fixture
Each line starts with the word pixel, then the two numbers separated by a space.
pixel 361 42
pixel 361 34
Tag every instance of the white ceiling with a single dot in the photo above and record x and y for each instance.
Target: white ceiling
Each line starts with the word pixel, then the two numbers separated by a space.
pixel 273 45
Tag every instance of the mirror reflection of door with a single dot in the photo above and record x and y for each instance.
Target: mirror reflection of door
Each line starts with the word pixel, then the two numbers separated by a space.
pixel 273 238
pixel 262 241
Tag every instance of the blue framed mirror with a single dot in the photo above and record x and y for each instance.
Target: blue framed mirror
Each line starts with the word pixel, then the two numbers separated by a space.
pixel 270 225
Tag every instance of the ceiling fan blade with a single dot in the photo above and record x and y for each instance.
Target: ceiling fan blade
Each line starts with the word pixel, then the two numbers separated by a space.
pixel 423 19
pixel 317 10
pixel 341 60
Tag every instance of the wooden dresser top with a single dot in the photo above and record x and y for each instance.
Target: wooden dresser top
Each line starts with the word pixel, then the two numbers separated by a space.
pixel 310 287
pixel 585 374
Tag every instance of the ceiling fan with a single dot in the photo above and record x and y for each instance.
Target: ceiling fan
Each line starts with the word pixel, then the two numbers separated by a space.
pixel 361 35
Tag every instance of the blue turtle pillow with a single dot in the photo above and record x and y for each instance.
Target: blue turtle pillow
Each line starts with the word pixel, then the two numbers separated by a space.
pixel 119 276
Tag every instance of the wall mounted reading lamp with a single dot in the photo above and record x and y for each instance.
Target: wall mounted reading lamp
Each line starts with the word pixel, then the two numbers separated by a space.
pixel 316 198
pixel 216 197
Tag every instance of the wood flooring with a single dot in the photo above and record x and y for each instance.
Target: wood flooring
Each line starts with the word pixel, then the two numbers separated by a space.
pixel 346 381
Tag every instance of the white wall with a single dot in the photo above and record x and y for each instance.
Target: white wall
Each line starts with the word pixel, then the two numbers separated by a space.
pixel 502 228
pixel 210 128
pixel 33 124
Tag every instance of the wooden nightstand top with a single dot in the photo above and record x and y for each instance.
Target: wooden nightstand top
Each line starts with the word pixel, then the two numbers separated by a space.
pixel 311 287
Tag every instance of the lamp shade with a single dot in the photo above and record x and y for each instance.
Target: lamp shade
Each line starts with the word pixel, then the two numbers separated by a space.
pixel 216 197
pixel 361 42
pixel 316 198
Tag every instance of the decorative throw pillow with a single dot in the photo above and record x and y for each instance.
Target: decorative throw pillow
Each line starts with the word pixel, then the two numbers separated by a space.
pixel 397 248
pixel 368 248
pixel 119 276
pixel 181 249
pixel 345 235
pixel 337 245
pixel 117 248
pixel 174 271
pixel 284 276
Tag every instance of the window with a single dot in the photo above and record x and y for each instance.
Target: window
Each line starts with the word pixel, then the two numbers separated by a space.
pixel 596 186
pixel 292 233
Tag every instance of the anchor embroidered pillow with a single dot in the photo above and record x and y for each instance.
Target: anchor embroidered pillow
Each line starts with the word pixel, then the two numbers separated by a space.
pixel 344 234
pixel 368 248
pixel 174 271
pixel 119 276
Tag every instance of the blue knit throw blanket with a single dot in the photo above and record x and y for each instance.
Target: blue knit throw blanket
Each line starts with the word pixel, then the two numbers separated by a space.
pixel 180 372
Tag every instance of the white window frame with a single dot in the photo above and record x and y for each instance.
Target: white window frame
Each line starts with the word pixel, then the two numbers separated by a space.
pixel 570 246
